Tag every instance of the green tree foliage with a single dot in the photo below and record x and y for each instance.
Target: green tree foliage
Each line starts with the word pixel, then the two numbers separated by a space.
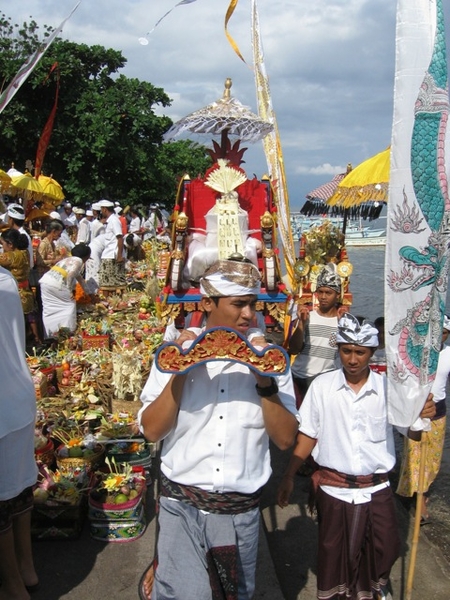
pixel 107 139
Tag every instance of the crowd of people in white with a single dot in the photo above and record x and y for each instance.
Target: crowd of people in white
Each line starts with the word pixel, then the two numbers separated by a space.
pixel 98 238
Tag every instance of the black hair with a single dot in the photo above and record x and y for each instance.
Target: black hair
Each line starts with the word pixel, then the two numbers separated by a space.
pixel 16 239
pixel 136 211
pixel 379 322
pixel 18 222
pixel 81 251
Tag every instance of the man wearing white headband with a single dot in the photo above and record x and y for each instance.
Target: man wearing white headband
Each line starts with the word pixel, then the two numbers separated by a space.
pixel 16 218
pixel 84 226
pixel 216 422
pixel 97 223
pixel 112 269
pixel 344 425
pixel 69 220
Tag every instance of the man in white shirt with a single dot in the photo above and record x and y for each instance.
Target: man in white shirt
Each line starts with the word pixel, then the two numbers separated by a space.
pixel 16 219
pixel 63 244
pixel 84 226
pixel 135 225
pixel 344 424
pixel 97 225
pixel 216 422
pixel 112 268
pixel 69 220
pixel 68 217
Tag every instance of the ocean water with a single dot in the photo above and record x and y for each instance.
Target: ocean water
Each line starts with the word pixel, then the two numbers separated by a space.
pixel 367 281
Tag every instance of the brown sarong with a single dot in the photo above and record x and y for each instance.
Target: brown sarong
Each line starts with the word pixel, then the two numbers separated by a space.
pixel 358 545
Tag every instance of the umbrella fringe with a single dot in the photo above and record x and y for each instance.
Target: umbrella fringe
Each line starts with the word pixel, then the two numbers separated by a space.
pixel 348 197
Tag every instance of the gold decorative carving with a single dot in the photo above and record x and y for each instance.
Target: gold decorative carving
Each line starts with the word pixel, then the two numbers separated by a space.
pixel 221 344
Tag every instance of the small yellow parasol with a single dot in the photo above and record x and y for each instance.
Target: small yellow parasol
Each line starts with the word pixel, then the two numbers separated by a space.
pixel 26 186
pixel 5 181
pixel 368 182
pixel 52 190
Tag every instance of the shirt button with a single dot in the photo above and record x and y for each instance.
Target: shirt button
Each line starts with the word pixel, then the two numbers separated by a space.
pixel 219 444
pixel 220 417
pixel 217 469
pixel 222 391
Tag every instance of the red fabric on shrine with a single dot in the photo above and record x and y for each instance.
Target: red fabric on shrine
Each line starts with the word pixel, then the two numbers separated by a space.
pixel 253 198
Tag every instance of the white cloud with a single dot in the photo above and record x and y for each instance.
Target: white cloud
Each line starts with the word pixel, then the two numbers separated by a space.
pixel 330 64
pixel 325 169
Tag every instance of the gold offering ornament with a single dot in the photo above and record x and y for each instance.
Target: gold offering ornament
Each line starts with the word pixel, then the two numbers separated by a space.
pixel 221 343
pixel 344 269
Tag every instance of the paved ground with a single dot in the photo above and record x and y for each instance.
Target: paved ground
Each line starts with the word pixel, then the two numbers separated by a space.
pixel 85 569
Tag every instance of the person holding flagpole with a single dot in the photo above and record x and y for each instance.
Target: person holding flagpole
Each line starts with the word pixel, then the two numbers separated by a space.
pixel 434 439
pixel 343 422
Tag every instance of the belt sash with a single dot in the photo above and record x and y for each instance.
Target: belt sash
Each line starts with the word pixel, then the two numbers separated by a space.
pixel 60 270
pixel 326 476
pixel 226 503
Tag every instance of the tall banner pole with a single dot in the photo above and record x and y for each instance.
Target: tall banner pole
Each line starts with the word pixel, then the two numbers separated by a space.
pixel 418 220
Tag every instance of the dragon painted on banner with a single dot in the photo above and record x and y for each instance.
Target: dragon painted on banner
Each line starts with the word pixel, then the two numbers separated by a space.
pixel 425 268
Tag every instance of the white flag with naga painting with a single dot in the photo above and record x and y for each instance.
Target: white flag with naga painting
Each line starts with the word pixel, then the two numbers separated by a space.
pixel 417 264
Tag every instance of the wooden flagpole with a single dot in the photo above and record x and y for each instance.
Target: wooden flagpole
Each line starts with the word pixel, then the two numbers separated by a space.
pixel 416 531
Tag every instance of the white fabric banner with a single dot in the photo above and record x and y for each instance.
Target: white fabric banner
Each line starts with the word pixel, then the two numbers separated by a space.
pixel 29 65
pixel 418 209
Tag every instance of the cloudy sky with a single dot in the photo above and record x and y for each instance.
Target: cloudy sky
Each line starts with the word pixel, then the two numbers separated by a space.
pixel 330 64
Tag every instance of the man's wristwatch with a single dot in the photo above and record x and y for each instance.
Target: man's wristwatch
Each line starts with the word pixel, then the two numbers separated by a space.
pixel 268 390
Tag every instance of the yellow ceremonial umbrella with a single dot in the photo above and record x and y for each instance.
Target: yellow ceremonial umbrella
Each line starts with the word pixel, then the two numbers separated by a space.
pixel 5 180
pixel 369 181
pixel 26 186
pixel 52 190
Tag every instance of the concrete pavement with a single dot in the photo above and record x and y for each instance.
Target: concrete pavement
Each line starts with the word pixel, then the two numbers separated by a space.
pixel 85 569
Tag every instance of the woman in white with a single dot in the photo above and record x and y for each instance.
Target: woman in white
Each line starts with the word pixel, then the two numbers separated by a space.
pixel 59 308
pixel 136 222
pixel 97 246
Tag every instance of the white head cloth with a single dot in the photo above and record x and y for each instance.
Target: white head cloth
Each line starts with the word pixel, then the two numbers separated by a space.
pixel 16 211
pixel 106 203
pixel 55 215
pixel 351 332
pixel 230 278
